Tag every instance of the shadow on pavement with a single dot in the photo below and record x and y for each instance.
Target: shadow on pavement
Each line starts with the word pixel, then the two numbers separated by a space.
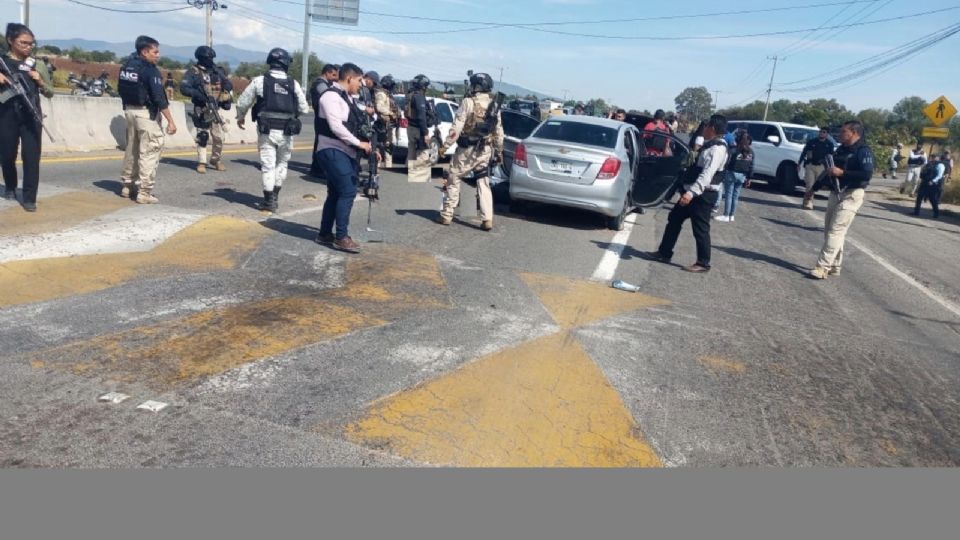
pixel 235 197
pixel 557 216
pixel 630 252
pixel 247 162
pixel 430 215
pixel 762 257
pixel 184 163
pixel 793 225
pixel 952 324
pixel 765 202
pixel 926 214
pixel 290 228
pixel 113 186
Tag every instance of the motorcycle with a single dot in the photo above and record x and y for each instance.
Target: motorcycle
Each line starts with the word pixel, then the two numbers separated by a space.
pixel 95 88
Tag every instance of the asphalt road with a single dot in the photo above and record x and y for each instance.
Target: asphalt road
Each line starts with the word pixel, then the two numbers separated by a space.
pixel 453 346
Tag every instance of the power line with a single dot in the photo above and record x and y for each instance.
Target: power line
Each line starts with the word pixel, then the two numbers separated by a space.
pixel 861 15
pixel 116 10
pixel 813 32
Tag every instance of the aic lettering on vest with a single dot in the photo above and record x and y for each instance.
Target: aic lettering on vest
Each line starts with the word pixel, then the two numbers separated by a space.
pixel 131 90
pixel 353 120
pixel 278 108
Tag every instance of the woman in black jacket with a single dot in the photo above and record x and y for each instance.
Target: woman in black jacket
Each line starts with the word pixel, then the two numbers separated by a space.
pixel 18 126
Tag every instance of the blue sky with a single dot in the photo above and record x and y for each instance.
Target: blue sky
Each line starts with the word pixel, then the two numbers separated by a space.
pixel 643 74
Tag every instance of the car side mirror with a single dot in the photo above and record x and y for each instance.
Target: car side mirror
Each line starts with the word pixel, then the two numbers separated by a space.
pixel 773 139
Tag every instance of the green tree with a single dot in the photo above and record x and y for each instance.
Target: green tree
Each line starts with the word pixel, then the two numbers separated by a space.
pixel 106 57
pixel 694 103
pixel 249 70
pixel 169 63
pixel 50 49
pixel 909 112
pixel 314 66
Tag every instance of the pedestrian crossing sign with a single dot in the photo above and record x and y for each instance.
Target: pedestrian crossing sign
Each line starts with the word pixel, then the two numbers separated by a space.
pixel 940 111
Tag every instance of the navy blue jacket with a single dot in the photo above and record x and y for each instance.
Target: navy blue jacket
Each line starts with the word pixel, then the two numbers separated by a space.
pixel 857 164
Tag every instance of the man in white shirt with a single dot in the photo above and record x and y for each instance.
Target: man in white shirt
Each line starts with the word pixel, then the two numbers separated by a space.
pixel 698 198
pixel 277 102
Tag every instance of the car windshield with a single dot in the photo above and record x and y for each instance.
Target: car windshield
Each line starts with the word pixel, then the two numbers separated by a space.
pixel 800 135
pixel 578 132
pixel 443 112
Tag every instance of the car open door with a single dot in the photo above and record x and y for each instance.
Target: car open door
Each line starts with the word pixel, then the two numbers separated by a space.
pixel 657 175
pixel 516 127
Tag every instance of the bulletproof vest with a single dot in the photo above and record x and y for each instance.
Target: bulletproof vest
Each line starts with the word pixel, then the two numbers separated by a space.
pixel 131 86
pixel 694 171
pixel 278 104
pixel 211 81
pixel 432 118
pixel 929 171
pixel 352 123
pixel 480 104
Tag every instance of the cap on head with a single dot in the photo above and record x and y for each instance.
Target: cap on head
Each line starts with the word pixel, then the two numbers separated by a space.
pixel 373 76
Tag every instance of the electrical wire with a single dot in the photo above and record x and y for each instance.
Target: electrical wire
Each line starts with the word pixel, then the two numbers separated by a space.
pixel 117 10
pixel 861 15
pixel 781 53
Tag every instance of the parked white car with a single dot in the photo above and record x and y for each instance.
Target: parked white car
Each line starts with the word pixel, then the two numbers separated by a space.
pixel 776 148
pixel 446 111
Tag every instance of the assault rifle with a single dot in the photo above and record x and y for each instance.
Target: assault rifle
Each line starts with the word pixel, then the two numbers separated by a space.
pixel 211 105
pixel 370 184
pixel 17 85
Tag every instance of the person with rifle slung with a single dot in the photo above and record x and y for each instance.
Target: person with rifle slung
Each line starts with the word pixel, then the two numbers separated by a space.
pixel 419 133
pixel 387 113
pixel 22 80
pixel 478 132
pixel 210 90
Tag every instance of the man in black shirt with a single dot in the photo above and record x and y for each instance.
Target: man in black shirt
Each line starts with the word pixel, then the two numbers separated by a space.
pixel 847 180
pixel 813 156
pixel 418 131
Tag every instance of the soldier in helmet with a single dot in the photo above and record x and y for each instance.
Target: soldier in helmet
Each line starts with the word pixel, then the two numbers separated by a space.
pixel 209 88
pixel 418 131
pixel 478 132
pixel 278 102
pixel 387 113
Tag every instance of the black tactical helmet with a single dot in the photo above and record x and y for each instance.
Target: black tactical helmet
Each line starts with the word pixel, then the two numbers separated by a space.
pixel 481 82
pixel 279 58
pixel 204 53
pixel 388 83
pixel 420 82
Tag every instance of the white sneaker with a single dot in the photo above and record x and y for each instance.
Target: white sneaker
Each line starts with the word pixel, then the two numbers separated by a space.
pixel 731 219
pixel 723 219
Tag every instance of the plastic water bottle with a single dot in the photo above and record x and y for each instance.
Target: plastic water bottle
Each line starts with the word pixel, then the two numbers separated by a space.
pixel 624 286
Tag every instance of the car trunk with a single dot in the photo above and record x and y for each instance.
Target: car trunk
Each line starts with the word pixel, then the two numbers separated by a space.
pixel 564 162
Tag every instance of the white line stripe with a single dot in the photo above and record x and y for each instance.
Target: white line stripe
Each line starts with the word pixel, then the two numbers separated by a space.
pixel 946 304
pixel 611 258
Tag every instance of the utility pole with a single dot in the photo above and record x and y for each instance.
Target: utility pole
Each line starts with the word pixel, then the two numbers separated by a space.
pixel 766 108
pixel 501 76
pixel 209 6
pixel 565 91
pixel 305 66
pixel 716 99
pixel 25 14
pixel 209 19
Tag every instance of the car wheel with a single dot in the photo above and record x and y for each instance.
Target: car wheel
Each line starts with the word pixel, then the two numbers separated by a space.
pixel 615 223
pixel 788 177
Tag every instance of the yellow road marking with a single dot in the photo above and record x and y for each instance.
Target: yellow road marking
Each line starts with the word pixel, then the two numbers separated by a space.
pixel 722 364
pixel 577 303
pixel 542 404
pixel 59 212
pixel 214 243
pixel 119 157
pixel 211 342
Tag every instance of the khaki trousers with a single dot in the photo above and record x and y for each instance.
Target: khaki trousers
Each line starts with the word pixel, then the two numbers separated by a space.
pixel 811 173
pixel 464 161
pixel 144 146
pixel 419 165
pixel 841 210
pixel 215 144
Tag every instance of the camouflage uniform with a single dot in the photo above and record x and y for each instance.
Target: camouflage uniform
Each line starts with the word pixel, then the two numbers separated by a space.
pixel 469 118
pixel 215 84
pixel 387 113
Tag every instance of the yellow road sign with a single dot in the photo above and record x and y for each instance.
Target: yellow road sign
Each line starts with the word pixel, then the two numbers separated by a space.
pixel 935 133
pixel 940 111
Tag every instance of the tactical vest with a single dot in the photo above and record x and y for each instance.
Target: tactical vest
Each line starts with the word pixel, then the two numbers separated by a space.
pixel 695 171
pixel 741 163
pixel 132 87
pixel 352 123
pixel 476 128
pixel 278 106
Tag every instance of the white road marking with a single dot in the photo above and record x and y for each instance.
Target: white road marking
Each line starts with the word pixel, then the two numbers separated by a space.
pixel 946 304
pixel 133 229
pixel 611 259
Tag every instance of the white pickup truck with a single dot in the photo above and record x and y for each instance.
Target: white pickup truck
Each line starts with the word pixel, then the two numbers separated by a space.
pixel 776 148
pixel 446 111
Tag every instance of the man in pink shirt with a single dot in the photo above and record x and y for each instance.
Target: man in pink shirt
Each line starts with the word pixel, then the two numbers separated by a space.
pixel 339 120
pixel 656 145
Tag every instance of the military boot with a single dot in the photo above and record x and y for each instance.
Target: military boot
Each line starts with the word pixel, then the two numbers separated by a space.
pixel 219 166
pixel 202 168
pixel 276 197
pixel 146 198
pixel 269 203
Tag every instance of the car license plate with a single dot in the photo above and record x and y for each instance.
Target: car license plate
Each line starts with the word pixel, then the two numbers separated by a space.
pixel 561 166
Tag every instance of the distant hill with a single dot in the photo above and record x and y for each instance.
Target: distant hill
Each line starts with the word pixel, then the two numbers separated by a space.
pixel 231 55
pixel 225 53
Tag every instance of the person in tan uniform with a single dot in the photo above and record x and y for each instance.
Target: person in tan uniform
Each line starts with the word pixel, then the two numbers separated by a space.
pixel 209 89
pixel 387 114
pixel 478 133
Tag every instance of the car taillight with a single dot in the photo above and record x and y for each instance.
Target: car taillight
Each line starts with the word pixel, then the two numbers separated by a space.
pixel 520 156
pixel 609 169
pixel 404 123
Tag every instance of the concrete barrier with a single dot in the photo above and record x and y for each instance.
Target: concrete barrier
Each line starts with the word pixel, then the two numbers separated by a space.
pixel 87 124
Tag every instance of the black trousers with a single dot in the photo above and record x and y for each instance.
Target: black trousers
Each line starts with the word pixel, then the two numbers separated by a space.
pixel 18 132
pixel 698 212
pixel 933 193
pixel 315 168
